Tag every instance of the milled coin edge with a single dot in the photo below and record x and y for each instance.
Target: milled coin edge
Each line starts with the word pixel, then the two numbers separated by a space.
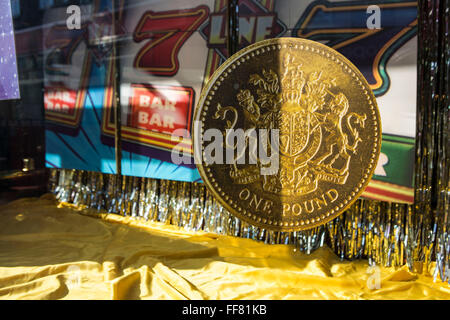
pixel 359 189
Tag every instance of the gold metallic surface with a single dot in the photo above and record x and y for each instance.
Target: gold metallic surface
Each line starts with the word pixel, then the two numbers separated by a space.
pixel 329 133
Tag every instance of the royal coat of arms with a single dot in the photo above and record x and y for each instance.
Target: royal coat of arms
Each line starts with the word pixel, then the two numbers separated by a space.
pixel 317 134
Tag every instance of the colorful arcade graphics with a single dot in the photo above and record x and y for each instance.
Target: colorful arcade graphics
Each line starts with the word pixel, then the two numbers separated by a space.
pixel 76 89
pixel 167 51
pixel 380 39
pixel 161 71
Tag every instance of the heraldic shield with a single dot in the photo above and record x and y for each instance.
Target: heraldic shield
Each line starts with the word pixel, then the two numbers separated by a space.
pixel 314 129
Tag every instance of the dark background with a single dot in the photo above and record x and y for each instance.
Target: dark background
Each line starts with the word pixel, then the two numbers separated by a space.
pixel 22 127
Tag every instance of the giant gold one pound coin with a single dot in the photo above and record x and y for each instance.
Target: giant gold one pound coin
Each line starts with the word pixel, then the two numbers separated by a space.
pixel 287 134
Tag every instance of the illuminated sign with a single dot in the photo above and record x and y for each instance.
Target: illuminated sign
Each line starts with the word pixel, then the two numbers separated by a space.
pixel 9 79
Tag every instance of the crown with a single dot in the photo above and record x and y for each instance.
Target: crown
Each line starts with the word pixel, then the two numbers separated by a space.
pixel 292 80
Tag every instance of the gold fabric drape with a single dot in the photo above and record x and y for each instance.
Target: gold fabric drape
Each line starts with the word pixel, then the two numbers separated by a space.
pixel 51 251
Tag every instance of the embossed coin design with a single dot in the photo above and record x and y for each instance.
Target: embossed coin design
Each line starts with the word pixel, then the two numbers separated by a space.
pixel 329 133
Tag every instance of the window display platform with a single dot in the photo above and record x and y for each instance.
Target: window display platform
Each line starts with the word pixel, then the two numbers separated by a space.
pixel 51 250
